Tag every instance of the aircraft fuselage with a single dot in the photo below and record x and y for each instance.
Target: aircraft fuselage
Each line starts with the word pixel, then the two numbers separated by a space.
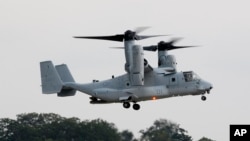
pixel 156 86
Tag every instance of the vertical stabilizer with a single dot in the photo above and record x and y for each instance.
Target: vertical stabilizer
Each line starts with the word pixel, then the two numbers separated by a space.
pixel 64 73
pixel 65 76
pixel 51 82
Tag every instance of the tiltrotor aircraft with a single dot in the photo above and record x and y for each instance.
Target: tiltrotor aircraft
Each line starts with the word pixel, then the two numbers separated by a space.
pixel 141 82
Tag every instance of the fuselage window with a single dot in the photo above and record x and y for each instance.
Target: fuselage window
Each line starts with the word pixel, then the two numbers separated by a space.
pixel 127 84
pixel 173 79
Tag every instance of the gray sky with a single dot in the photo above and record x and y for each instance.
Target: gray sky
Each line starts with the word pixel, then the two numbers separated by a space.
pixel 32 31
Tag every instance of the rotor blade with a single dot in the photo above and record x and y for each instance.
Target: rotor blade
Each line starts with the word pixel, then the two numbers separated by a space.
pixel 150 48
pixel 117 47
pixel 179 47
pixel 174 40
pixel 118 37
pixel 141 29
pixel 141 37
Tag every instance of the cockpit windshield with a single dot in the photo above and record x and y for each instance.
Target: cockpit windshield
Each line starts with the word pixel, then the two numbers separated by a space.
pixel 190 76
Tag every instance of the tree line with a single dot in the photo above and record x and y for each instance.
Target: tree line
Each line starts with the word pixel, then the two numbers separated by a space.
pixel 53 127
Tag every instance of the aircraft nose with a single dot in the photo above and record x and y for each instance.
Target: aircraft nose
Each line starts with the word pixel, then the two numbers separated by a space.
pixel 205 86
pixel 210 87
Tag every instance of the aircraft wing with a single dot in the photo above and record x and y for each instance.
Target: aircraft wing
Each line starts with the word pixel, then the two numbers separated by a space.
pixel 165 70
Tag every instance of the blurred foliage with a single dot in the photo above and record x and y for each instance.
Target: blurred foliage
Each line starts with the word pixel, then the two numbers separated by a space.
pixel 164 130
pixel 205 139
pixel 53 127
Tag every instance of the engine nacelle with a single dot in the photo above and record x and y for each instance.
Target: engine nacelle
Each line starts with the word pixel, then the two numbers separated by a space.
pixel 166 61
pixel 137 67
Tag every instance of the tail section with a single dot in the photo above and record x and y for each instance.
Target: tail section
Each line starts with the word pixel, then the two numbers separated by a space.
pixel 65 76
pixel 51 82
pixel 64 73
pixel 53 79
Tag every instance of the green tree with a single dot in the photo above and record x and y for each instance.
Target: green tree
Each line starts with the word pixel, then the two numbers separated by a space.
pixel 126 135
pixel 164 130
pixel 100 130
pixel 53 127
pixel 205 139
pixel 7 129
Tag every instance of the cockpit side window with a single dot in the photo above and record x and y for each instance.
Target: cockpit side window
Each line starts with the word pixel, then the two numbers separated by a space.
pixel 189 76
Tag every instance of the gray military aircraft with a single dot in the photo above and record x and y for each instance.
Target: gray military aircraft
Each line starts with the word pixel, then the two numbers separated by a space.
pixel 141 82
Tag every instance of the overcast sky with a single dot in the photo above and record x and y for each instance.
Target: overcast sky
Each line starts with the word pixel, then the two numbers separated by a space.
pixel 32 31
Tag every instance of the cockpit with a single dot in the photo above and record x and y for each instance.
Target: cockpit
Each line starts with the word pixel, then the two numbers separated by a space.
pixel 190 76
